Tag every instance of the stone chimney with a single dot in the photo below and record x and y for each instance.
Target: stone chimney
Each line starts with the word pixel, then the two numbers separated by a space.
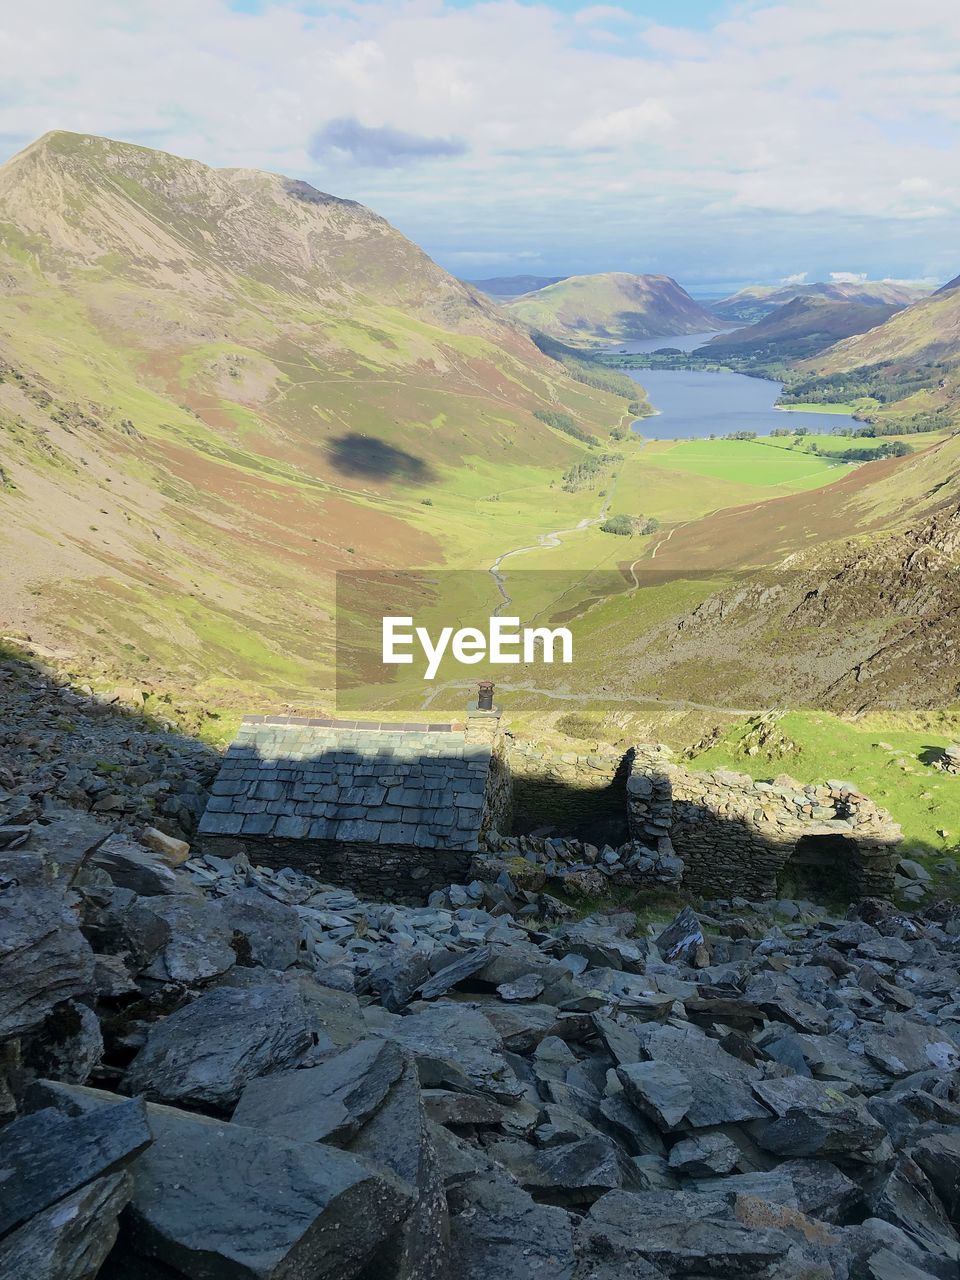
pixel 483 717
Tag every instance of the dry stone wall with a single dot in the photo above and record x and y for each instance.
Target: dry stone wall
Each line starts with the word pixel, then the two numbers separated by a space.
pixel 737 834
pixel 576 794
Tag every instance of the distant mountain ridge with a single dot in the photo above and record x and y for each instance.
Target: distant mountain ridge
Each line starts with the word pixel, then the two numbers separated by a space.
pixel 612 306
pixel 756 301
pixel 799 329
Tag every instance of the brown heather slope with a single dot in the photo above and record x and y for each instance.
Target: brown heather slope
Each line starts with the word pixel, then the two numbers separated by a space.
pixel 218 387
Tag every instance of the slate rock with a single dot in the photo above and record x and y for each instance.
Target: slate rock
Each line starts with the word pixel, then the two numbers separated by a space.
pixel 575 1173
pixel 223 1200
pixel 445 1107
pixel 399 1137
pixel 503 1234
pixel 907 1199
pixel 265 932
pixel 207 1051
pixel 939 1157
pixel 198 947
pixel 67 1045
pixel 527 987
pixel 817 1120
pixel 909 1047
pixel 683 937
pixel 455 1047
pixel 71 1239
pixel 465 966
pixel 659 1090
pixel 686 1233
pixel 46 1156
pixel 44 958
pixel 325 1103
pixel 134 866
pixel 704 1154
pixel 722 1085
pixel 396 981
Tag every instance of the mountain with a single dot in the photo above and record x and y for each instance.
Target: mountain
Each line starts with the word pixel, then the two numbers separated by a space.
pixel 220 387
pixel 909 365
pixel 611 307
pixel 757 301
pixel 798 329
pixel 506 288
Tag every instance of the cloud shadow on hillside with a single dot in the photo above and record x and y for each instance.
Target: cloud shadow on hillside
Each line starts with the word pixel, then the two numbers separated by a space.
pixel 358 455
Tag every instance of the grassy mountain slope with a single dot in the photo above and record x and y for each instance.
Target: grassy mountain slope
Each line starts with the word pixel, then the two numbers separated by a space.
pixel 753 303
pixel 219 387
pixel 909 365
pixel 611 307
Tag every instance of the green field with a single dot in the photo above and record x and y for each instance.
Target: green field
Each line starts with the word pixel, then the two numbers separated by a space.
pixel 748 462
pixel 848 409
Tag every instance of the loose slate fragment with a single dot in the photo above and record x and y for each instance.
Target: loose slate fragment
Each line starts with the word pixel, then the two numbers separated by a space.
pixel 46 1155
pixel 223 1200
pixel 326 1103
pixel 817 1120
pixel 463 967
pixel 71 1239
pixel 207 1051
pixel 44 958
pixel 399 1137
pixel 503 1234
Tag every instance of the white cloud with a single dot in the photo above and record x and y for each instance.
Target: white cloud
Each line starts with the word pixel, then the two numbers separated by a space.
pixel 623 127
pixel 848 277
pixel 798 277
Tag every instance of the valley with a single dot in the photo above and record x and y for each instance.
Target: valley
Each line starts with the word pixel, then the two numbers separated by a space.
pixel 203 424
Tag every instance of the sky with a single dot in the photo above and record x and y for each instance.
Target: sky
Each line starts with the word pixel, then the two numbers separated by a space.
pixel 718 142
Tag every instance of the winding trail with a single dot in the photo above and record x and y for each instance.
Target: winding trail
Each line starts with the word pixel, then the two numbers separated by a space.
pixel 551 539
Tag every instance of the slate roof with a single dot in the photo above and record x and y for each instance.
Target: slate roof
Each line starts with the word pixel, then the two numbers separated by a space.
pixel 290 778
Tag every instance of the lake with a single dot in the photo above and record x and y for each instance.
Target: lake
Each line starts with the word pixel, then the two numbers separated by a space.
pixel 693 404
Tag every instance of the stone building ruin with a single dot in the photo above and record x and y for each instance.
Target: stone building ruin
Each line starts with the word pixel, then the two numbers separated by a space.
pixel 762 839
pixel 389 809
pixel 398 810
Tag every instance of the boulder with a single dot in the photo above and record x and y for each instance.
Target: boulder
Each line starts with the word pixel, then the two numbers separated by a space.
pixel 939 1157
pixel 207 1051
pixel 224 1200
pixel 459 969
pixel 46 1156
pixel 264 932
pixel 455 1047
pixel 44 958
pixel 814 1119
pixel 326 1103
pixel 71 1239
pixel 503 1234
pixel 685 1233
pixel 704 1154
pixel 659 1090
pixel 198 946
pixel 399 1137
pixel 574 1173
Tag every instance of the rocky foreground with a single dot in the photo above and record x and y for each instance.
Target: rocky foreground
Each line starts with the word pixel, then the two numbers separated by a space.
pixel 216 1071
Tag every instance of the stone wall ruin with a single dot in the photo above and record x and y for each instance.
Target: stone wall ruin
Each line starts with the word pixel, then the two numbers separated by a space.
pixel 762 839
